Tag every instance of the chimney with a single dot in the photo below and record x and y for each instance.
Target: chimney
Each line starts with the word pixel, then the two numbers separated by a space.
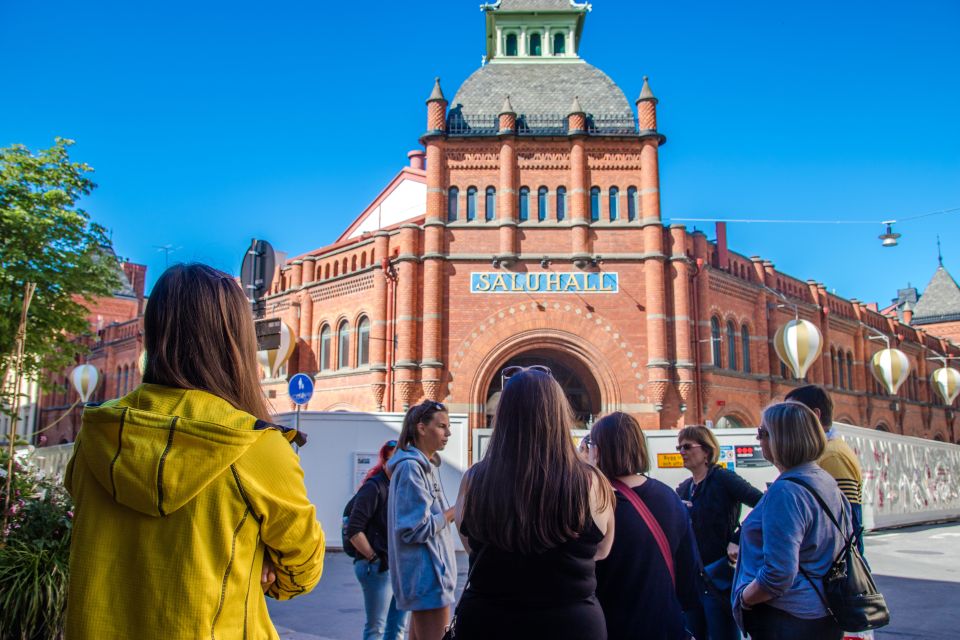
pixel 723 256
pixel 417 159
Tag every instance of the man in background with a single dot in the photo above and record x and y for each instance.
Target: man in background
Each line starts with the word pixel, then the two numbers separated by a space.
pixel 838 458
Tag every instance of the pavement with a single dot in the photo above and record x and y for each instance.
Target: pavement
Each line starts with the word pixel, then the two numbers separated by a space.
pixel 916 568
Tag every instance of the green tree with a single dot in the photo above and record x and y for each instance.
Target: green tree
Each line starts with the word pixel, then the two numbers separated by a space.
pixel 47 239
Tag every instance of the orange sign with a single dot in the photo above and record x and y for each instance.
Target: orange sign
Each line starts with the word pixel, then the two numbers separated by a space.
pixel 669 461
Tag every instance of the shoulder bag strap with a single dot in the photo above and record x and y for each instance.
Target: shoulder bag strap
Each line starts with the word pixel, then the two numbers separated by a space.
pixel 651 523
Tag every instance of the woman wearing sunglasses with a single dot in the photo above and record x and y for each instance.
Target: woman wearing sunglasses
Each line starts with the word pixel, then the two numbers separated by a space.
pixel 534 518
pixel 423 567
pixel 367 532
pixel 714 495
pixel 788 540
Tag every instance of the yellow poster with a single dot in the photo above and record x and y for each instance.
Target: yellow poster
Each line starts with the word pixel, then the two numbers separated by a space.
pixel 669 461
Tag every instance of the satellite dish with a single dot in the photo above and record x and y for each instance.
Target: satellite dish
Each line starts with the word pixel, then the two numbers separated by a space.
pixel 256 272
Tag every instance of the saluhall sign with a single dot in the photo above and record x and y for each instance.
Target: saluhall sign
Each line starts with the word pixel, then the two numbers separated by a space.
pixel 552 282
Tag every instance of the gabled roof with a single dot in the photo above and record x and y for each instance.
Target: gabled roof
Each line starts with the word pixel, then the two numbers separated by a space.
pixel 940 301
pixel 404 198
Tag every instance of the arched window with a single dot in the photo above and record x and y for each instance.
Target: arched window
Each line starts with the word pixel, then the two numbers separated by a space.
pixel 594 203
pixel 326 271
pixel 511 44
pixel 614 204
pixel 542 204
pixel 363 259
pixel 343 345
pixel 561 203
pixel 490 211
pixel 453 196
pixel 336 268
pixel 729 422
pixel 559 44
pixel 325 348
pixel 745 347
pixel 731 346
pixel 833 367
pixel 471 204
pixel 524 205
pixel 849 370
pixel 840 376
pixel 119 381
pixel 632 204
pixel 126 379
pixel 363 342
pixel 715 342
pixel 536 44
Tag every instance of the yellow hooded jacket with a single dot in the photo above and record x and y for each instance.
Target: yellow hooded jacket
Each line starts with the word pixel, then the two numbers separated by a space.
pixel 177 496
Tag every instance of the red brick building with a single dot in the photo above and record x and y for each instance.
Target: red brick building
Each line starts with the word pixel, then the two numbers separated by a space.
pixel 529 231
pixel 115 341
pixel 937 311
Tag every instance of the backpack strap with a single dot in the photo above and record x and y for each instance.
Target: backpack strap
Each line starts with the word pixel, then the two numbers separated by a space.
pixel 651 523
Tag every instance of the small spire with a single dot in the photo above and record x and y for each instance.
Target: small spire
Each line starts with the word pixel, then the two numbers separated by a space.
pixel 437 94
pixel 507 107
pixel 939 253
pixel 575 108
pixel 645 92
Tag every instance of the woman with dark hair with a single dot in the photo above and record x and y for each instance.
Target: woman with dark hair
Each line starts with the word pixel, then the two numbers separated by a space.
pixel 714 495
pixel 423 567
pixel 649 578
pixel 534 518
pixel 188 500
pixel 789 540
pixel 366 531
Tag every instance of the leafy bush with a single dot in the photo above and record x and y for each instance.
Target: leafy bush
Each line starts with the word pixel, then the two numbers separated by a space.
pixel 34 554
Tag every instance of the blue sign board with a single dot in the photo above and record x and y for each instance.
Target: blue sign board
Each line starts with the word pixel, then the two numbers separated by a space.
pixel 544 282
pixel 300 388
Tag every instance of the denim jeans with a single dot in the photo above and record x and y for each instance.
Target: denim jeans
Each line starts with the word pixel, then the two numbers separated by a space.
pixel 715 620
pixel 764 622
pixel 384 620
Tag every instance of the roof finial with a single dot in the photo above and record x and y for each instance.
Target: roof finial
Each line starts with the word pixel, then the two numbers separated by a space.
pixel 437 93
pixel 939 253
pixel 507 107
pixel 575 107
pixel 645 92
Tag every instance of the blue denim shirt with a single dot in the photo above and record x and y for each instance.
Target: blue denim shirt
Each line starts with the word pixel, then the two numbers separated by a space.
pixel 788 529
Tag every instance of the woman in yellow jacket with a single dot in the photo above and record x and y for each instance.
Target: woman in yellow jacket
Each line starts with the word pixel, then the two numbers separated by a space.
pixel 185 492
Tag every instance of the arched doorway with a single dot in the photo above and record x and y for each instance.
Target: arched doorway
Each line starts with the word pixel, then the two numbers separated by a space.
pixel 575 378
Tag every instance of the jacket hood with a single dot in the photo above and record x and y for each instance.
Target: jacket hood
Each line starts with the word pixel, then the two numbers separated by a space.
pixel 155 449
pixel 410 454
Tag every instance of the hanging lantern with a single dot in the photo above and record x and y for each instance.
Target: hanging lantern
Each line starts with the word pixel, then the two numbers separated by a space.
pixel 142 362
pixel 85 378
pixel 891 368
pixel 946 380
pixel 272 359
pixel 798 344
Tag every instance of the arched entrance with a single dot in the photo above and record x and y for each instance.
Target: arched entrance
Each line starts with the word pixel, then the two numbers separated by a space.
pixel 573 375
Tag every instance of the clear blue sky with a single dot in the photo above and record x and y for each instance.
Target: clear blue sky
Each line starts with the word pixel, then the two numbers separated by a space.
pixel 212 122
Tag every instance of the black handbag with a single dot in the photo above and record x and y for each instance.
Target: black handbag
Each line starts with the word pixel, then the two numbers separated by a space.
pixel 450 633
pixel 849 592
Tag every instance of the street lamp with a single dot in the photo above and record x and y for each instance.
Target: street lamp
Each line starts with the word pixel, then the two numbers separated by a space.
pixel 889 238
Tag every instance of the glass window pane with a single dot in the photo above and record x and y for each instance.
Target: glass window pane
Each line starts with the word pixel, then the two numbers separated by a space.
pixel 452 204
pixel 595 204
pixel 325 348
pixel 343 346
pixel 471 204
pixel 524 211
pixel 745 346
pixel 535 45
pixel 561 203
pixel 731 347
pixel 363 342
pixel 715 342
pixel 632 203
pixel 511 44
pixel 614 204
pixel 491 205
pixel 542 204
pixel 559 44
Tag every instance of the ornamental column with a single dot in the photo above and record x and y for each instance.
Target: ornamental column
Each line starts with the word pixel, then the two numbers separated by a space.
pixel 378 320
pixel 408 282
pixel 579 178
pixel 682 315
pixel 507 203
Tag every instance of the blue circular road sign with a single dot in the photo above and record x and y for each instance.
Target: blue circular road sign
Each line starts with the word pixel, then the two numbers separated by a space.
pixel 300 388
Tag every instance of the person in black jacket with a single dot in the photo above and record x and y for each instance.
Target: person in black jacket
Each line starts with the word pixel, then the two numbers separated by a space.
pixel 367 532
pixel 714 495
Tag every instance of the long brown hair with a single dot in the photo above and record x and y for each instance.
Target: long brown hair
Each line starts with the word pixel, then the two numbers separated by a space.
pixel 531 491
pixel 198 332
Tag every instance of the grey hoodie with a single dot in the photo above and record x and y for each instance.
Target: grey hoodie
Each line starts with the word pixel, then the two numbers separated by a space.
pixel 423 567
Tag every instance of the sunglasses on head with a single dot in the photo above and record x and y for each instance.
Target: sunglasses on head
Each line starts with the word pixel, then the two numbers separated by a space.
pixel 515 370
pixel 427 407
pixel 392 444
pixel 762 434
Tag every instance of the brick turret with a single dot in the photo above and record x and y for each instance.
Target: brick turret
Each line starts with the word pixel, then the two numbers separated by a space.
pixel 436 110
pixel 647 108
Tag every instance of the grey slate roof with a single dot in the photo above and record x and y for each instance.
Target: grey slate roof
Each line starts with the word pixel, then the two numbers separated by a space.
pixel 940 301
pixel 533 5
pixel 540 89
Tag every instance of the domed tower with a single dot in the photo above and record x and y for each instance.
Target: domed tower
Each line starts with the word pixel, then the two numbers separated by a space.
pixel 541 164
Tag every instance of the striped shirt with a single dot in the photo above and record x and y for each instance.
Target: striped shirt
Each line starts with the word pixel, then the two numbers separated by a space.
pixel 841 462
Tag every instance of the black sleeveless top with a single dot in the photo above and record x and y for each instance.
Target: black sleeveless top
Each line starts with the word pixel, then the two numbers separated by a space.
pixel 544 595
